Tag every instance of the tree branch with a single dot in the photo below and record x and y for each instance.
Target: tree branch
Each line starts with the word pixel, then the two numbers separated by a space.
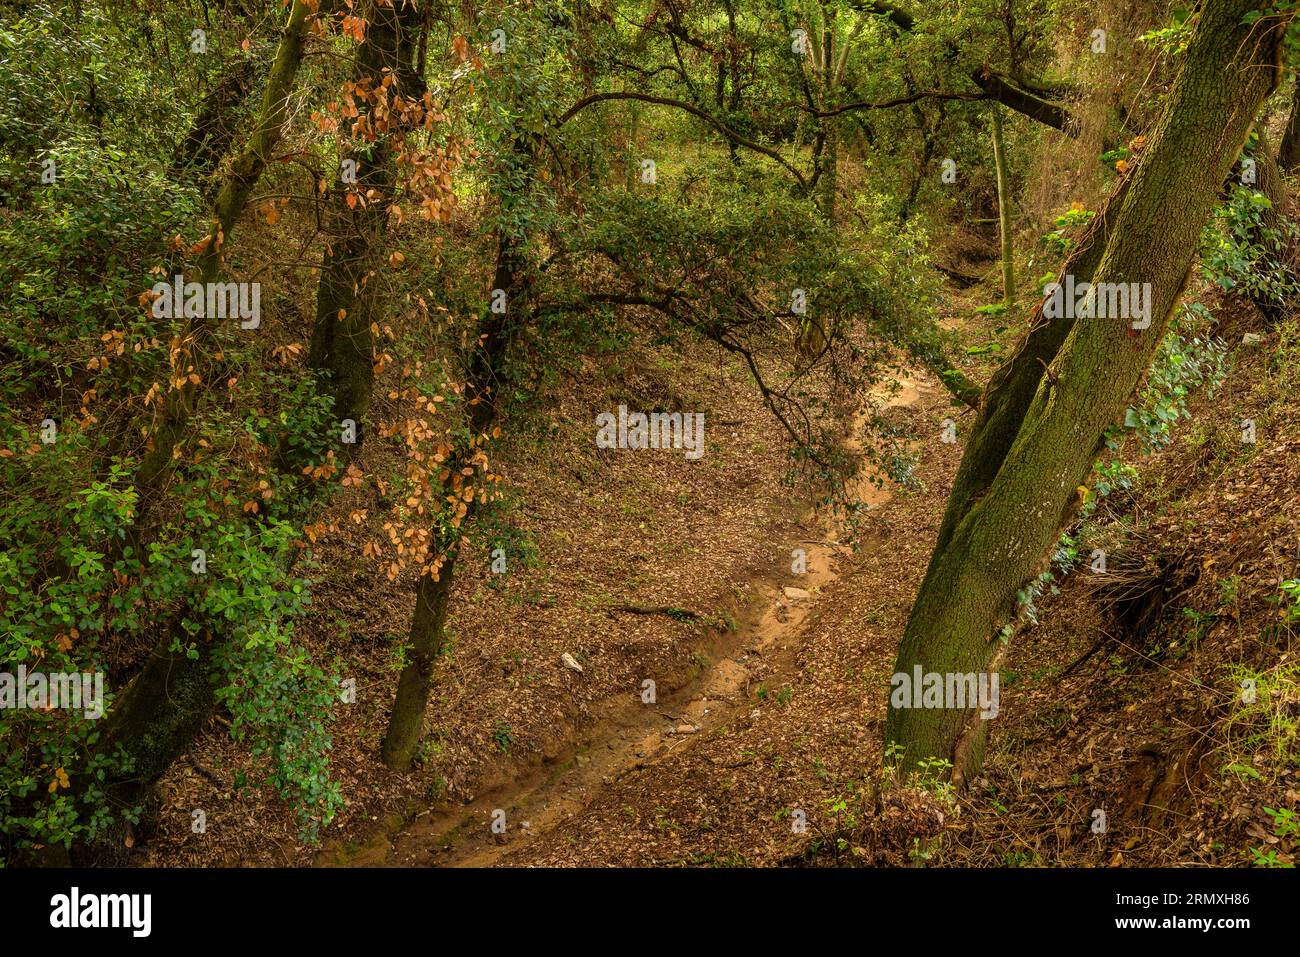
pixel 717 124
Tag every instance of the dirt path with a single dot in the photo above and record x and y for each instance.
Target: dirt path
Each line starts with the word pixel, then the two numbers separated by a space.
pixel 634 735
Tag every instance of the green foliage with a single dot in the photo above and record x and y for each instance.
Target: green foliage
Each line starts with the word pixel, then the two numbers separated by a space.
pixel 1261 720
pixel 96 571
pixel 277 696
pixel 1290 593
pixel 504 737
pixel 1242 252
pixel 1286 826
pixel 1172 39
pixel 1190 357
pixel 1058 241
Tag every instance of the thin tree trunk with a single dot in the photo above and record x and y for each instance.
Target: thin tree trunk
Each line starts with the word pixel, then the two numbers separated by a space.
pixel 1004 210
pixel 831 156
pixel 168 702
pixel 179 401
pixel 1000 543
pixel 209 139
pixel 428 635
pixel 1271 235
pixel 830 179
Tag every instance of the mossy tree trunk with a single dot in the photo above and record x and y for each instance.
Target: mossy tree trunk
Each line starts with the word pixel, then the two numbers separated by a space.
pixel 1012 388
pixel 237 186
pixel 158 714
pixel 999 543
pixel 209 139
pixel 349 299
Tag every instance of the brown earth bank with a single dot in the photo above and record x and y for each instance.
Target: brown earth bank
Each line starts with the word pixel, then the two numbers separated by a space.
pixel 636 565
pixel 1121 737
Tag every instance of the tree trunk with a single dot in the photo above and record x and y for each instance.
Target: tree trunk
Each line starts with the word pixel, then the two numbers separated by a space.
pixel 484 381
pixel 425 644
pixel 831 156
pixel 1004 210
pixel 1271 236
pixel 1288 156
pixel 830 178
pixel 157 715
pixel 348 299
pixel 178 404
pixel 1013 386
pixel 1000 542
pixel 209 139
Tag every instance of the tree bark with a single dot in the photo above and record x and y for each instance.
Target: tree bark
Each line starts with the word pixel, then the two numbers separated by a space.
pixel 1288 156
pixel 348 300
pixel 485 379
pixel 1012 387
pixel 157 715
pixel 1004 211
pixel 1000 542
pixel 209 139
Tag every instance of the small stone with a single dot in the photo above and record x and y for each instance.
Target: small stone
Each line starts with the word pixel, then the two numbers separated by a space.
pixel 571 662
pixel 1251 339
pixel 796 594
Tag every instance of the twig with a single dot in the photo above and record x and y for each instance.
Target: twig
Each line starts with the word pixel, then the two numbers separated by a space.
pixel 681 614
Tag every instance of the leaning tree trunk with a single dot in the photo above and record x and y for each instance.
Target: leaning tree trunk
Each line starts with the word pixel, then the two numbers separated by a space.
pixel 197 155
pixel 1013 386
pixel 1004 210
pixel 245 171
pixel 168 702
pixel 157 715
pixel 999 544
pixel 348 299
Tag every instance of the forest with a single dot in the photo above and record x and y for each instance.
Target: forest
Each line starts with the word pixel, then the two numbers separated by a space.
pixel 658 434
